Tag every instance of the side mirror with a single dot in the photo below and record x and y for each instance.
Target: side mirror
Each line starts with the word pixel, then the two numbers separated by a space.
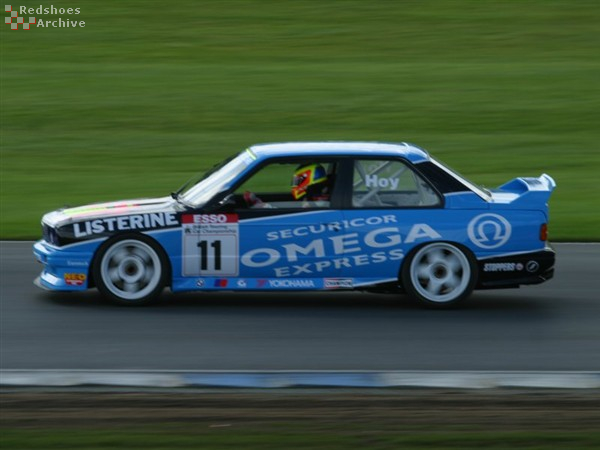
pixel 223 202
pixel 228 200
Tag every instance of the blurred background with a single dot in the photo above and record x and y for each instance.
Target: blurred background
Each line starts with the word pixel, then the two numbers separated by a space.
pixel 149 93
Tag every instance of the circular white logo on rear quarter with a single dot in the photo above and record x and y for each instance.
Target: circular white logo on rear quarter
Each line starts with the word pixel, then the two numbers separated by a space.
pixel 489 231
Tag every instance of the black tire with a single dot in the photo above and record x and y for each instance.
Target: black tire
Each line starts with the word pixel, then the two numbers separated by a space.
pixel 439 275
pixel 130 270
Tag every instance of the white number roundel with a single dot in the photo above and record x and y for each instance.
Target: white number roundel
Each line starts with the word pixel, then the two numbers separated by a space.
pixel 489 231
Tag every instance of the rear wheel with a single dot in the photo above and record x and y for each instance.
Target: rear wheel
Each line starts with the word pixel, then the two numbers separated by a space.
pixel 130 270
pixel 439 275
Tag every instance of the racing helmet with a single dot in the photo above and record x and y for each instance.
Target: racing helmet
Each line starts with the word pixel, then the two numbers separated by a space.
pixel 306 176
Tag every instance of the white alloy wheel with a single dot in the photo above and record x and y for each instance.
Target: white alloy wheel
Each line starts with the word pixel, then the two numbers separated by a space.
pixel 439 274
pixel 130 272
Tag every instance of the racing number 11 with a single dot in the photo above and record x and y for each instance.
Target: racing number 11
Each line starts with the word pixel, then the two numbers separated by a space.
pixel 216 245
pixel 210 245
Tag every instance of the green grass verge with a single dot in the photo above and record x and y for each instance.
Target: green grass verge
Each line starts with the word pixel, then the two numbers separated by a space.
pixel 341 437
pixel 146 95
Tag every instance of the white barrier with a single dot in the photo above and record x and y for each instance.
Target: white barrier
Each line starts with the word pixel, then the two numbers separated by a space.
pixel 288 379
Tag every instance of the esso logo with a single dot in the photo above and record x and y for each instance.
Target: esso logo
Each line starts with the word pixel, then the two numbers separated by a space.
pixel 489 231
pixel 210 218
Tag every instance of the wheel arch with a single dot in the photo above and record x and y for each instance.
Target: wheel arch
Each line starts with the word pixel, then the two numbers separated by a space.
pixel 408 286
pixel 407 258
pixel 130 235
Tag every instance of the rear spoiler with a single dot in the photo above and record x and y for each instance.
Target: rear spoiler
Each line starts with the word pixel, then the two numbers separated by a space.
pixel 530 190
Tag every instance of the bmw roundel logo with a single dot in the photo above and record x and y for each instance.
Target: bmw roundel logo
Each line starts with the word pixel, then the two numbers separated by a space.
pixel 532 266
pixel 489 231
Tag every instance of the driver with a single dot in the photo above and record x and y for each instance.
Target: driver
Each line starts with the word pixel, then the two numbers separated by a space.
pixel 310 183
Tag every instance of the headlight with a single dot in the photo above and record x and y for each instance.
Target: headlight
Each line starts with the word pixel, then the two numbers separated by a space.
pixel 49 234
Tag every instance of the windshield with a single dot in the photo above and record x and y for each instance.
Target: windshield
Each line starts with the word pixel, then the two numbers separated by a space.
pixel 215 180
pixel 482 192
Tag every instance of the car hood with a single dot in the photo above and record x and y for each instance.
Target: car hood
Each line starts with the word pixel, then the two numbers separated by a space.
pixel 93 211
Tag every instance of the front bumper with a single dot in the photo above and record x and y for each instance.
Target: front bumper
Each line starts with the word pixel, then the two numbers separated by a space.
pixel 515 270
pixel 64 270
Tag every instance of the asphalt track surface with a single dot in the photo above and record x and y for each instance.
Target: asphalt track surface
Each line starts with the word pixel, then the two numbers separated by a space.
pixel 549 327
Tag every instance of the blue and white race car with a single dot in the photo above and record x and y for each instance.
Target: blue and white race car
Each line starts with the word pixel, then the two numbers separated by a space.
pixel 308 216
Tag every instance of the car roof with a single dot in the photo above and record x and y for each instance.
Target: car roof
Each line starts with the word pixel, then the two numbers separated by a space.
pixel 331 148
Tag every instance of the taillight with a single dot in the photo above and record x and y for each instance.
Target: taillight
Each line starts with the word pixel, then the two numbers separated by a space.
pixel 544 232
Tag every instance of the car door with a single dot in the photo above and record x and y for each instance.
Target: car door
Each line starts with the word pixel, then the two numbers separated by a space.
pixel 390 209
pixel 287 241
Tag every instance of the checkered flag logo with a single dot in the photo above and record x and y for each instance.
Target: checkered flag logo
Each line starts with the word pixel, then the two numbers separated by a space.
pixel 14 20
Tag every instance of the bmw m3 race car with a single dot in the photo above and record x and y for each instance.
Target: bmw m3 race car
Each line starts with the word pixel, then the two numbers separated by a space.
pixel 308 216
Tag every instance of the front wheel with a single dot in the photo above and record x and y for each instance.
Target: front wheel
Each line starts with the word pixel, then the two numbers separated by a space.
pixel 439 275
pixel 130 270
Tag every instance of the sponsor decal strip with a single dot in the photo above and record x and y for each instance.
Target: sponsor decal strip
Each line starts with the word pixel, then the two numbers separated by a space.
pixel 287 283
pixel 257 283
pixel 125 223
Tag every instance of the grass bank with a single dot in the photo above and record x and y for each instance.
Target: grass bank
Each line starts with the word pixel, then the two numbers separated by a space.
pixel 292 437
pixel 300 419
pixel 145 96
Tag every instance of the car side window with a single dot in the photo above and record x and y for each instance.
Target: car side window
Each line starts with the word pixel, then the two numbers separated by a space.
pixel 380 183
pixel 295 184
